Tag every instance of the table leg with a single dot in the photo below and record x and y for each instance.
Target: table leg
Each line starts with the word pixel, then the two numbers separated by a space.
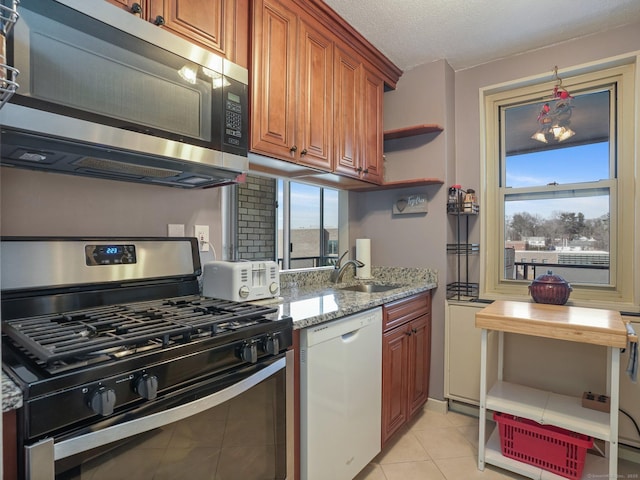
pixel 483 400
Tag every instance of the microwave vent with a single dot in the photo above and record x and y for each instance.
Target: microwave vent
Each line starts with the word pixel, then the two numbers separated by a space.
pixel 126 168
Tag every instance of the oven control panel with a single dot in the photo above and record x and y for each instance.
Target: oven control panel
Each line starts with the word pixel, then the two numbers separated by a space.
pixel 109 254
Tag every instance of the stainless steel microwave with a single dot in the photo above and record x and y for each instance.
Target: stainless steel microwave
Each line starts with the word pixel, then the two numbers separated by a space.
pixel 104 93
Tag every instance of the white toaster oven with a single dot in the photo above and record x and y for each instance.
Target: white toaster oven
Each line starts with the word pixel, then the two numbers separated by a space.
pixel 241 281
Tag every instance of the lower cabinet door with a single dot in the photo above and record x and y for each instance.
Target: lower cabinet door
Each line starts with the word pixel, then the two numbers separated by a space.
pixel 395 345
pixel 419 362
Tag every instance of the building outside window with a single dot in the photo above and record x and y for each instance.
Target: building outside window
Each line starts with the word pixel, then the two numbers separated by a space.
pixel 559 203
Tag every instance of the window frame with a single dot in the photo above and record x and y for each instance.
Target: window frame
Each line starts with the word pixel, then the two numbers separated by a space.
pixel 623 213
pixel 343 238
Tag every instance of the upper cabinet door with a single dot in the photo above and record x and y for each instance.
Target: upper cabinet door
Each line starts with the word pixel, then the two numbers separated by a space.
pixel 137 7
pixel 221 26
pixel 201 21
pixel 347 113
pixel 372 159
pixel 315 97
pixel 273 81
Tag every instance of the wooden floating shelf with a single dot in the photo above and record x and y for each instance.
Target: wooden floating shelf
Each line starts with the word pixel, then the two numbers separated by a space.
pixel 412 131
pixel 418 182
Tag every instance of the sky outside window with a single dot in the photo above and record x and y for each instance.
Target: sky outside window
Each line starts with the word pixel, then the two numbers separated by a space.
pixel 582 163
pixel 305 206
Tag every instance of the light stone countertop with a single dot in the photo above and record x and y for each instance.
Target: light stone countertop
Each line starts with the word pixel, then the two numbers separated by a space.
pixel 11 394
pixel 311 298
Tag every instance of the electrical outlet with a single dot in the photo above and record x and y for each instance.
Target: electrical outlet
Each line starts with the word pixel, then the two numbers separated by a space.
pixel 175 230
pixel 201 232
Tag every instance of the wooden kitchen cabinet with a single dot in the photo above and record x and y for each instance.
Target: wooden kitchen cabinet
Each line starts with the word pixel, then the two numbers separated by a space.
pixel 317 97
pixel 358 119
pixel 406 353
pixel 372 158
pixel 292 87
pixel 136 7
pixel 217 25
pixel 9 445
pixel 347 118
pixel 315 92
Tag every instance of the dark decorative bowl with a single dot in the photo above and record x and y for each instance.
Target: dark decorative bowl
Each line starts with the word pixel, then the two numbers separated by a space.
pixel 550 288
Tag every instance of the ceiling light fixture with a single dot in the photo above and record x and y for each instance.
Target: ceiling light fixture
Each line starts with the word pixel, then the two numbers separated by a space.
pixel 554 119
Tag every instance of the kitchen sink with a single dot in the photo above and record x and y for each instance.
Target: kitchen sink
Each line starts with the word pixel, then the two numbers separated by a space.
pixel 369 287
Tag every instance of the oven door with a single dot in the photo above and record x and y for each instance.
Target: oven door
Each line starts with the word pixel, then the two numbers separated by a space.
pixel 244 430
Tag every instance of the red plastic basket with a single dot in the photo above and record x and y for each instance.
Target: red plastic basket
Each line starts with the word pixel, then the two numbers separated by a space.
pixel 551 448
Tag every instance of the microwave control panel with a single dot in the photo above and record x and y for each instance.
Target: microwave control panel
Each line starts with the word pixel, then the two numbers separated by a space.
pixel 236 115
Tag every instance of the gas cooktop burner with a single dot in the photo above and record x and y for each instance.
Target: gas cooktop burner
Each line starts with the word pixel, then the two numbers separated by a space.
pixel 116 329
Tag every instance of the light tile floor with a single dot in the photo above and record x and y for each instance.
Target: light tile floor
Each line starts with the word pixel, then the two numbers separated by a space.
pixel 443 446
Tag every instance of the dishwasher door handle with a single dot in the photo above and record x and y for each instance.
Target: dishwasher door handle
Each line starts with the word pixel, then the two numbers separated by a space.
pixel 351 336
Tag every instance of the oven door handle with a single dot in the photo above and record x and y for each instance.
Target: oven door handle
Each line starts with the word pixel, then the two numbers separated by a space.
pixel 41 456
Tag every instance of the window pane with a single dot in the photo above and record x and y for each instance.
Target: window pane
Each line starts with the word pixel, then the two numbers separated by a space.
pixel 583 163
pixel 305 225
pixel 280 220
pixel 583 157
pixel 330 223
pixel 567 231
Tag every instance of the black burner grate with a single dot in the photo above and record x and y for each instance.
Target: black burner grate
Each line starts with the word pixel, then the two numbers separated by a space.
pixel 67 335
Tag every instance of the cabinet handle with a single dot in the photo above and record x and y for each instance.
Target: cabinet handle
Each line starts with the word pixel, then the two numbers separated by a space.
pixel 303 152
pixel 408 334
pixel 359 169
pixel 365 171
pixel 293 149
pixel 413 330
pixel 136 9
pixel 159 20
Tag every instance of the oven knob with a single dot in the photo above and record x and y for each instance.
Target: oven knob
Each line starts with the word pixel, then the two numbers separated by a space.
pixel 249 351
pixel 272 345
pixel 102 401
pixel 147 386
pixel 244 291
pixel 273 288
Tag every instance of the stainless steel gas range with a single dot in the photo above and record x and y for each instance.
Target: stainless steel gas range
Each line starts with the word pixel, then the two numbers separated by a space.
pixel 127 372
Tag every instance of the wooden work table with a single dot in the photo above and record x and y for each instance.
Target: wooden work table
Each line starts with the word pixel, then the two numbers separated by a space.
pixel 574 324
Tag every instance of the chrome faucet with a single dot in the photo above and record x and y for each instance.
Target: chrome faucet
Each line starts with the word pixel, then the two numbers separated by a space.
pixel 338 271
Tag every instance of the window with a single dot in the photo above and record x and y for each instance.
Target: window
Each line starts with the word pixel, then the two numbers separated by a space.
pixel 559 204
pixel 307 225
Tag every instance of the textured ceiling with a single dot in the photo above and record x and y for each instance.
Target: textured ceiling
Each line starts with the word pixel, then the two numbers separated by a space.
pixel 472 32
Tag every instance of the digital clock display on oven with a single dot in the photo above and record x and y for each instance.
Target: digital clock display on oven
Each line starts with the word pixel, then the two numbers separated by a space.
pixel 110 254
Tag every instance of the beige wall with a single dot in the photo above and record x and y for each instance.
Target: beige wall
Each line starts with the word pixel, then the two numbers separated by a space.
pixel 36 203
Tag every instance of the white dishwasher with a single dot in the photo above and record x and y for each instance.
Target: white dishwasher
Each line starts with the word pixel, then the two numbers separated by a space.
pixel 340 396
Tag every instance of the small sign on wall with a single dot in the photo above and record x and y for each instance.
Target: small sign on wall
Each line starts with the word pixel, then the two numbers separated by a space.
pixel 410 204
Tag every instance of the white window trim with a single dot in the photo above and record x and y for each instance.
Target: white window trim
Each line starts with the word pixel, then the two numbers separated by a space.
pixel 625 295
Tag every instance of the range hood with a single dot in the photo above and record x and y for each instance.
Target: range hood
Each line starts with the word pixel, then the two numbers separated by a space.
pixel 45 141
